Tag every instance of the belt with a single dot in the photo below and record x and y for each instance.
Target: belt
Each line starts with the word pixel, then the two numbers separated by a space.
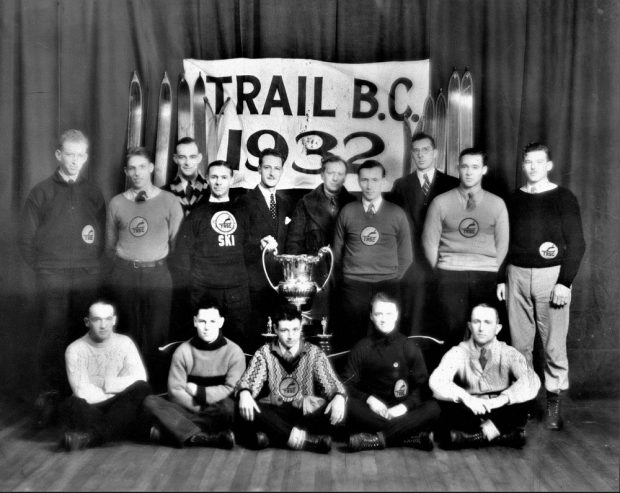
pixel 137 264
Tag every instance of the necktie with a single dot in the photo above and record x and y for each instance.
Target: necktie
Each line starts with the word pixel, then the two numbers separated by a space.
pixel 371 209
pixel 471 204
pixel 189 191
pixel 427 184
pixel 141 196
pixel 288 355
pixel 272 207
pixel 483 358
pixel 333 207
pixel 533 190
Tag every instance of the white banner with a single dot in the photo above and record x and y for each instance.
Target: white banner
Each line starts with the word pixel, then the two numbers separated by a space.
pixel 307 109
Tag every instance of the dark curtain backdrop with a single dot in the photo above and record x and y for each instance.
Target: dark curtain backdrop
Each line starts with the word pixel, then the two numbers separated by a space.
pixel 543 70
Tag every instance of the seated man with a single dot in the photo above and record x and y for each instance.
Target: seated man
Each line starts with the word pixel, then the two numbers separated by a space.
pixel 108 380
pixel 387 383
pixel 484 385
pixel 295 381
pixel 203 374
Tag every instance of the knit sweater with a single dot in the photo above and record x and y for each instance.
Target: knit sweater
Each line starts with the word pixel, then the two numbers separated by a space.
pixel 310 374
pixel 97 371
pixel 372 247
pixel 62 224
pixel 215 372
pixel 545 231
pixel 200 191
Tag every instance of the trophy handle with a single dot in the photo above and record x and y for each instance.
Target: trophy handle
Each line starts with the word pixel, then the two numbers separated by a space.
pixel 275 288
pixel 322 250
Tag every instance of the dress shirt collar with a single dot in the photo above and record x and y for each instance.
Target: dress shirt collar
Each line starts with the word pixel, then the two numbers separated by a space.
pixel 66 177
pixel 377 203
pixel 464 194
pixel 267 194
pixel 543 185
pixel 430 172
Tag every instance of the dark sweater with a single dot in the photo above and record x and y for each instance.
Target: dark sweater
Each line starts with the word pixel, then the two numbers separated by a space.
pixel 62 225
pixel 545 231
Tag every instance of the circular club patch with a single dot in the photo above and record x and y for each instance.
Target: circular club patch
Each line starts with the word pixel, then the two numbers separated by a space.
pixel 469 227
pixel 369 236
pixel 548 250
pixel 224 223
pixel 401 389
pixel 138 226
pixel 289 387
pixel 88 234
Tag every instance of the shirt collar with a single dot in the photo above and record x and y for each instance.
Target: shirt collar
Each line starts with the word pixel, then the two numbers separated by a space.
pixel 66 177
pixel 377 203
pixel 478 193
pixel 543 185
pixel 430 172
pixel 266 193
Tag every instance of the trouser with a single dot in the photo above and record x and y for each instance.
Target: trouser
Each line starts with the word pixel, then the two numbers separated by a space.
pixel 181 309
pixel 418 295
pixel 277 422
pixel 142 297
pixel 528 298
pixel 235 302
pixel 355 297
pixel 64 298
pixel 459 417
pixel 421 418
pixel 181 423
pixel 264 301
pixel 117 418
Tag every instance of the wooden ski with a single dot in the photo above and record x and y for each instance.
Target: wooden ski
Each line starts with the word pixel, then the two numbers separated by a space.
pixel 135 122
pixel 440 131
pixel 210 136
pixel 429 116
pixel 162 141
pixel 184 109
pixel 198 103
pixel 407 134
pixel 466 112
pixel 452 134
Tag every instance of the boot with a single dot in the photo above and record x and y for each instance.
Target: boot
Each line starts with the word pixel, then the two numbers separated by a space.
pixel 515 439
pixel 321 444
pixel 422 441
pixel 553 417
pixel 258 441
pixel 366 441
pixel 222 439
pixel 460 439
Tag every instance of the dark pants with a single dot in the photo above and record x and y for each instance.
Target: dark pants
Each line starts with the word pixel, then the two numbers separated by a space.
pixel 421 418
pixel 142 297
pixel 419 314
pixel 117 418
pixel 354 321
pixel 181 423
pixel 264 301
pixel 459 417
pixel 64 298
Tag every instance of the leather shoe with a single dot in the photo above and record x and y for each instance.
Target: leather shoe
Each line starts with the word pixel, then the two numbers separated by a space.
pixel 321 444
pixel 155 434
pixel 262 441
pixel 553 416
pixel 422 441
pixel 222 439
pixel 515 438
pixel 366 441
pixel 460 439
pixel 76 440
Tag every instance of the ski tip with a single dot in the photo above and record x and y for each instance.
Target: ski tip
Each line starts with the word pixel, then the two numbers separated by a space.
pixel 134 76
pixel 165 78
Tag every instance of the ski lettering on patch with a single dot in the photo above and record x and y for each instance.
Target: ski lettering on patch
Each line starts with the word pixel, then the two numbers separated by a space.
pixel 548 250
pixel 138 226
pixel 369 236
pixel 289 387
pixel 88 234
pixel 224 223
pixel 401 389
pixel 469 227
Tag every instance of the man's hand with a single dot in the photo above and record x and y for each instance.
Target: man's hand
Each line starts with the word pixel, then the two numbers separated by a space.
pixel 560 295
pixel 247 405
pixel 269 243
pixel 377 407
pixel 495 402
pixel 397 411
pixel 501 291
pixel 191 389
pixel 336 407
pixel 476 404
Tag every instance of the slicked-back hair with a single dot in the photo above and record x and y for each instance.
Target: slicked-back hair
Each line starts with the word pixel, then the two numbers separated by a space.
pixel 286 311
pixel 537 146
pixel 486 305
pixel 333 158
pixel 185 141
pixel 138 151
pixel 206 302
pixel 101 301
pixel 220 162
pixel 474 151
pixel 72 135
pixel 383 297
pixel 422 136
pixel 370 164
pixel 269 152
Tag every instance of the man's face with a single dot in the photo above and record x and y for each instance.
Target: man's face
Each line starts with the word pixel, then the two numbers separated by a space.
pixel 424 154
pixel 208 324
pixel 289 332
pixel 471 170
pixel 384 316
pixel 270 171
pixel 100 322
pixel 72 157
pixel 371 182
pixel 138 170
pixel 536 166
pixel 220 179
pixel 187 158
pixel 333 176
pixel 483 325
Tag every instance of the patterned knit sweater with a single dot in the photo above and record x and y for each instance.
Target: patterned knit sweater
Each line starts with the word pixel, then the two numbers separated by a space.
pixel 310 374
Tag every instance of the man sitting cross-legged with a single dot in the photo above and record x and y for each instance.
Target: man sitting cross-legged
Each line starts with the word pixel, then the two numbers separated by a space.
pixel 203 374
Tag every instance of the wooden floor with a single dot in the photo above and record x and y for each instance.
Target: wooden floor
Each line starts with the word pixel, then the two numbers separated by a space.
pixel 583 457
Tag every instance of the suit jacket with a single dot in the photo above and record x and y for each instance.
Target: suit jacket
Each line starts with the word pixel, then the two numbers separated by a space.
pixel 407 192
pixel 260 225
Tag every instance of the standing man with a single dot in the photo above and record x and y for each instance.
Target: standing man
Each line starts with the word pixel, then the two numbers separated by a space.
pixel 108 381
pixel 546 248
pixel 414 193
pixel 211 250
pixel 465 238
pixel 268 212
pixel 299 395
pixel 389 404
pixel 142 224
pixel 372 250
pixel 62 239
